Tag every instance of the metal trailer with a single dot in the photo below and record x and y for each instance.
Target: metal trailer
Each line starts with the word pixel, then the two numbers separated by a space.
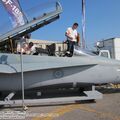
pixel 86 95
pixel 112 45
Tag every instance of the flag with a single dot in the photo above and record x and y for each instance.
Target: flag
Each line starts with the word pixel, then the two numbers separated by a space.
pixel 15 12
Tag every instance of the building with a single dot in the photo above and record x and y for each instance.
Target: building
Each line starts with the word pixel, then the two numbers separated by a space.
pixel 112 45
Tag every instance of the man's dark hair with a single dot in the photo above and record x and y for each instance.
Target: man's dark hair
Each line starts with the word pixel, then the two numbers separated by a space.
pixel 31 44
pixel 76 24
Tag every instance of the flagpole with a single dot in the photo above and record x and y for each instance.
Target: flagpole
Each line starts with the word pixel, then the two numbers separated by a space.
pixel 83 25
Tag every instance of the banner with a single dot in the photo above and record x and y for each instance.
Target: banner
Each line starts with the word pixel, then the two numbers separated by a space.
pixel 14 10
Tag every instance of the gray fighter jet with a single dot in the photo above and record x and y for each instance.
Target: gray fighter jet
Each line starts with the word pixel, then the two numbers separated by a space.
pixel 81 70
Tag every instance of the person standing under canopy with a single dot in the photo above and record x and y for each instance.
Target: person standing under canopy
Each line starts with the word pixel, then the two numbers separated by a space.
pixel 72 35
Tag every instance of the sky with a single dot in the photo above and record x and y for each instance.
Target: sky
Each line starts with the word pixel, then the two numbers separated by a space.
pixel 102 19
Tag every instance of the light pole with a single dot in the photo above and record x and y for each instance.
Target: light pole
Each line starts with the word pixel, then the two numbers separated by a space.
pixel 83 25
pixel 22 79
pixel 22 76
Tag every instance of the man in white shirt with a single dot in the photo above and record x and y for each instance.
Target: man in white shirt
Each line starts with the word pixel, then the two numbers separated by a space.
pixel 32 49
pixel 71 35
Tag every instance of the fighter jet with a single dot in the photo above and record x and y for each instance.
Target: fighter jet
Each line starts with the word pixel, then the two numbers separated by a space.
pixel 81 70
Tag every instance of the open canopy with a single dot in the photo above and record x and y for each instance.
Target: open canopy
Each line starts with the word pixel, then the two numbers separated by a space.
pixel 33 23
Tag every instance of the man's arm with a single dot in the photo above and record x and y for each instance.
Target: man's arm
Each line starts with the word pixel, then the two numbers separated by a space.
pixel 68 36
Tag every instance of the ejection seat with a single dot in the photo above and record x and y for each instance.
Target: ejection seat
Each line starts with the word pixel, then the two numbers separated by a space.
pixel 50 50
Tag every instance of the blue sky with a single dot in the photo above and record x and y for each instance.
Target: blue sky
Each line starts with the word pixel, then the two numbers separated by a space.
pixel 102 19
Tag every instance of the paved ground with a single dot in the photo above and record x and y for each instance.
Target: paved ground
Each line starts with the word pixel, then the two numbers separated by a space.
pixel 106 109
